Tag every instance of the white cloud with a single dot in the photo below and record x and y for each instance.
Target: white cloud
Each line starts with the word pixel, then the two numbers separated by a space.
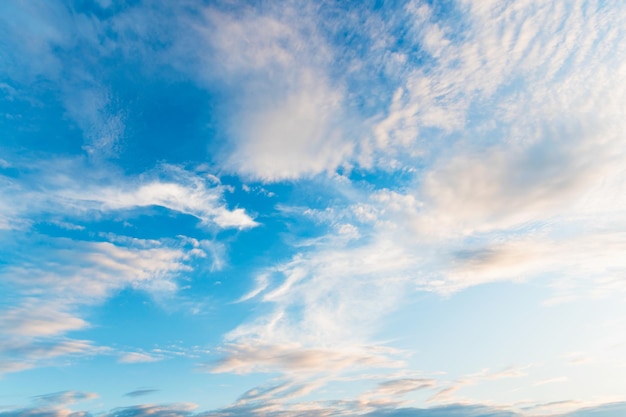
pixel 515 63
pixel 22 353
pixel 323 309
pixel 191 199
pixel 66 397
pixel 72 187
pixel 516 196
pixel 102 123
pixel 33 319
pixel 553 407
pixel 147 410
pixel 511 57
pixel 139 357
pixel 503 189
pixel 292 136
pixel 325 296
pixel 261 284
pixel 247 356
pixel 287 116
pixel 399 387
pixel 54 284
pixel 185 192
pixel 448 390
pixel 101 268
pixel 58 279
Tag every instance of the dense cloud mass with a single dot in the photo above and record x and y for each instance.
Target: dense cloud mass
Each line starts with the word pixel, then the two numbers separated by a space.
pixel 237 208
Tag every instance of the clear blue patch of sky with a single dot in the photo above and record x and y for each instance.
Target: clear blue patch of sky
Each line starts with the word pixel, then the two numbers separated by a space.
pixel 37 123
pixel 167 121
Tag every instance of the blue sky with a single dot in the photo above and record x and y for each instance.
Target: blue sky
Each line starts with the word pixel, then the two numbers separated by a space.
pixel 379 208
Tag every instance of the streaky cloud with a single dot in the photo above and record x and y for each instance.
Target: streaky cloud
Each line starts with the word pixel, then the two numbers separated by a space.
pixel 141 392
pixel 65 397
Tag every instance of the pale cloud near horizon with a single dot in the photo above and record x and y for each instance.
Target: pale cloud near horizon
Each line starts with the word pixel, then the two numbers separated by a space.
pixel 66 397
pixel 334 408
pixel 399 387
pixel 251 356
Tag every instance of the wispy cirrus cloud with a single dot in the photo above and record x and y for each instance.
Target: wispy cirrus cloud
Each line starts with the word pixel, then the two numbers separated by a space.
pixel 44 412
pixel 55 405
pixel 450 410
pixel 400 387
pixel 141 392
pixel 52 288
pixel 61 188
pixel 253 356
pixel 490 207
pixel 37 320
pixel 139 357
pixel 145 410
pixel 54 284
pixel 65 397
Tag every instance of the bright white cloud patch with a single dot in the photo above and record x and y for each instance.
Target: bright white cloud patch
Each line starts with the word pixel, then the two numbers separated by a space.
pixel 60 190
pixel 52 289
pixel 287 123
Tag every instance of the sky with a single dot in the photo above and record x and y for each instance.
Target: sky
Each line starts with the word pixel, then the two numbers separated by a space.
pixel 411 208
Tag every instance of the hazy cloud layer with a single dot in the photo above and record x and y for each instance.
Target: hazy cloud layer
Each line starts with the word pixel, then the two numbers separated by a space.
pixel 319 410
pixel 141 392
